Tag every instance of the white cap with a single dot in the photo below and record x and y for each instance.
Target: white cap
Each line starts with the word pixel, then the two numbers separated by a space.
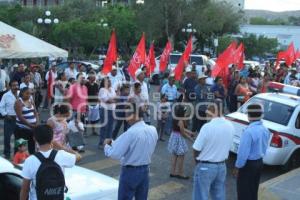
pixel 188 69
pixel 138 72
pixel 114 67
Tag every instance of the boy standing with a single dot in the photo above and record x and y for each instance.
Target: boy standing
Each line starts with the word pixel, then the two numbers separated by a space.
pixel 43 135
pixel 22 153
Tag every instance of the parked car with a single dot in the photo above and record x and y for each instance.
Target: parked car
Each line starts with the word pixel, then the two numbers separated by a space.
pixel 282 117
pixel 200 60
pixel 82 183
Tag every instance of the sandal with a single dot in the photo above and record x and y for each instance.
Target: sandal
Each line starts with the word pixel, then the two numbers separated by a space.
pixel 173 175
pixel 183 177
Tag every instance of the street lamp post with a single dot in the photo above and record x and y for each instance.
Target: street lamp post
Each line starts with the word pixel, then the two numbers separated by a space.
pixel 189 30
pixel 47 20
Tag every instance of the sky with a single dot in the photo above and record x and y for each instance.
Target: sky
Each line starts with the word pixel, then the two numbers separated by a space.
pixel 273 5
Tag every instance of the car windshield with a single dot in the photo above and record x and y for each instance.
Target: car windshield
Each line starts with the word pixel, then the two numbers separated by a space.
pixel 273 111
pixel 174 59
pixel 197 59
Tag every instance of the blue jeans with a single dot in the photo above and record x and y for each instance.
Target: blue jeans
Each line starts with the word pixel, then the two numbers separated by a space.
pixel 134 182
pixel 209 179
pixel 9 128
pixel 107 124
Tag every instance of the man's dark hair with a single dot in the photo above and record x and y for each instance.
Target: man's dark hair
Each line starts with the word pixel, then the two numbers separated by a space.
pixel 61 109
pixel 217 79
pixel 43 134
pixel 12 81
pixel 133 108
pixel 255 111
pixel 137 85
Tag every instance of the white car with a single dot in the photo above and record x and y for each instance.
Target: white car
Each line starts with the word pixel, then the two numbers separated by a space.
pixel 282 118
pixel 83 184
pixel 200 60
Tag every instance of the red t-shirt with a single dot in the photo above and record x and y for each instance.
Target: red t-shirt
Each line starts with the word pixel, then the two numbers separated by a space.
pixel 79 95
pixel 20 157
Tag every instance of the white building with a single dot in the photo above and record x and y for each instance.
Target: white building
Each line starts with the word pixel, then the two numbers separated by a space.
pixel 284 34
pixel 236 3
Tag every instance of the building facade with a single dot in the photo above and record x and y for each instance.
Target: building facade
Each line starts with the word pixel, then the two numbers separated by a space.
pixel 284 34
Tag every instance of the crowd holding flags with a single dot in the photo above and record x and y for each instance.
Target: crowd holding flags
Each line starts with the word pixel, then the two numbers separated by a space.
pixel 289 55
pixel 150 61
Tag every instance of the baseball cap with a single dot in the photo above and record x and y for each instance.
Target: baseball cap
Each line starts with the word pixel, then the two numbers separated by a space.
pixel 114 67
pixel 20 142
pixel 138 72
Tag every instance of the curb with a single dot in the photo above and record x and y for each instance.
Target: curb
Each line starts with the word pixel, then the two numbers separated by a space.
pixel 265 189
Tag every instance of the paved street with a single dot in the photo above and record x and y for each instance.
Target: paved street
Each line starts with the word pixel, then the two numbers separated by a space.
pixel 161 186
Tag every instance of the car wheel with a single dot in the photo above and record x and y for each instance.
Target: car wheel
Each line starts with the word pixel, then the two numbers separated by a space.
pixel 293 162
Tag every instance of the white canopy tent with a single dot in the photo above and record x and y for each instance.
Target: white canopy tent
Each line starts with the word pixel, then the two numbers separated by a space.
pixel 18 44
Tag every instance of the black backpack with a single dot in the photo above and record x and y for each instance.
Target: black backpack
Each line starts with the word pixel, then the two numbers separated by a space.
pixel 50 180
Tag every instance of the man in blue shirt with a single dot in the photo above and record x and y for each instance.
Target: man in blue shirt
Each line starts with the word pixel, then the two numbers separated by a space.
pixel 253 146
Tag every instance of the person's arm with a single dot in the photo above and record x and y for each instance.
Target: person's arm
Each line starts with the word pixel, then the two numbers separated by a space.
pixel 237 90
pixel 244 149
pixel 184 132
pixel 195 154
pixel 2 106
pixel 18 109
pixel 25 189
pixel 117 149
pixel 199 143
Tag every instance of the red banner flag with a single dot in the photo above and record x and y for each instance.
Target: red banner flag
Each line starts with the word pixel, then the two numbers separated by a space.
pixel 112 54
pixel 150 61
pixel 164 58
pixel 184 60
pixel 50 84
pixel 138 57
pixel 297 54
pixel 221 67
pixel 290 55
pixel 240 56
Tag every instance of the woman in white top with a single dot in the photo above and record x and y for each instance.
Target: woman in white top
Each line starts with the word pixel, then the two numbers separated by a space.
pixel 26 119
pixel 107 98
pixel 60 88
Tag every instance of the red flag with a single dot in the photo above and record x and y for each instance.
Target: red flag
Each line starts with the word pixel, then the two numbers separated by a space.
pixel 112 54
pixel 138 57
pixel 226 58
pixel 150 61
pixel 164 58
pixel 184 60
pixel 50 83
pixel 290 55
pixel 240 56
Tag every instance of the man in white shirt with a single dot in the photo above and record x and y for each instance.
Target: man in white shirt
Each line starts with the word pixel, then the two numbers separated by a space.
pixel 71 72
pixel 211 149
pixel 140 77
pixel 116 80
pixel 4 80
pixel 7 109
pixel 53 72
pixel 43 134
pixel 134 149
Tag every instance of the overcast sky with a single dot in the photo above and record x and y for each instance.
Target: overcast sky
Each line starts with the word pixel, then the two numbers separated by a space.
pixel 274 5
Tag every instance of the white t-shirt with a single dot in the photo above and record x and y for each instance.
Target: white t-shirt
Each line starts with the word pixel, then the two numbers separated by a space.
pixel 32 164
pixel 3 78
pixel 71 73
pixel 30 85
pixel 72 126
pixel 214 140
pixel 105 95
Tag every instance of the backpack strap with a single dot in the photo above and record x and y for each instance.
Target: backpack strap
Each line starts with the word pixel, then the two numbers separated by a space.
pixel 40 156
pixel 52 155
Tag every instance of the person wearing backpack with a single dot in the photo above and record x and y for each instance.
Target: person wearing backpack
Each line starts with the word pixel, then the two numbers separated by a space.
pixel 43 172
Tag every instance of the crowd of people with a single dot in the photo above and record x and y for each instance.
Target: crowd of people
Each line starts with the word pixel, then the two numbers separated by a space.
pixel 190 109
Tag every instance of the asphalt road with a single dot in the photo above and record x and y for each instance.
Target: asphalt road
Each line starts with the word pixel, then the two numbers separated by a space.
pixel 161 185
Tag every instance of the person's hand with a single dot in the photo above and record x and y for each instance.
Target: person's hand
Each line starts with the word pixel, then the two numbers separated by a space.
pixel 235 172
pixel 78 156
pixel 107 141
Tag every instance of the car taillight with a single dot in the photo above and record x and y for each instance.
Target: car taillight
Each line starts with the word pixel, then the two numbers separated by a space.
pixel 276 141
